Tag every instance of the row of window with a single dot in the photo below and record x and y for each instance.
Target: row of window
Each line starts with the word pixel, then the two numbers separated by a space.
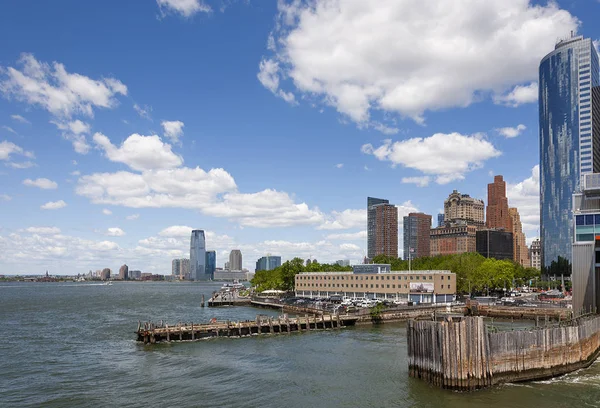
pixel 351 285
pixel 376 277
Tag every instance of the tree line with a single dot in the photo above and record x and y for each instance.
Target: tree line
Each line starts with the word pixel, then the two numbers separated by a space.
pixel 474 273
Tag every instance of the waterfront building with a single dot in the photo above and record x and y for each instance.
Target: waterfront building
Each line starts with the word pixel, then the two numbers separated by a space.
pixel 414 286
pixel 382 228
pixel 198 256
pixel 416 235
pixel 184 268
pixel 463 208
pixel 135 275
pixel 268 263
pixel 343 262
pixel 105 274
pixel 235 260
pixel 568 149
pixel 520 250
pixel 440 220
pixel 211 263
pixel 496 215
pixel 586 245
pixel 123 272
pixel 535 254
pixel 455 238
pixel 494 243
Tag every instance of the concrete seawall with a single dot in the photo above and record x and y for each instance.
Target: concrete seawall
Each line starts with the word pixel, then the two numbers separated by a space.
pixel 464 355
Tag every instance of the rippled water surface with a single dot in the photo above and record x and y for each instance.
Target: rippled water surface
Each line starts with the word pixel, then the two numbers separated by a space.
pixel 73 345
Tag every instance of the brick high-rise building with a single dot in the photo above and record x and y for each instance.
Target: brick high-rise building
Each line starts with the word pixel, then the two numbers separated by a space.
pixel 382 228
pixel 453 239
pixel 520 249
pixel 124 272
pixel 497 206
pixel 416 235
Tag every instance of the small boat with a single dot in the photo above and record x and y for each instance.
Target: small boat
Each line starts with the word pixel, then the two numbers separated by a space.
pixel 109 283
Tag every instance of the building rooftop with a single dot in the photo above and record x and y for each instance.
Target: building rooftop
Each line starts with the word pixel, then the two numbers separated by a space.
pixel 413 272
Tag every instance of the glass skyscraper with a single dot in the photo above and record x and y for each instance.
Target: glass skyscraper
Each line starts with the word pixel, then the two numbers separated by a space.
pixel 567 148
pixel 267 263
pixel 211 264
pixel 198 256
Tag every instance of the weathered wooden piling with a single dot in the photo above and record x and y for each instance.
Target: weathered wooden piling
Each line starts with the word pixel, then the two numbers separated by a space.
pixel 462 355
pixel 150 333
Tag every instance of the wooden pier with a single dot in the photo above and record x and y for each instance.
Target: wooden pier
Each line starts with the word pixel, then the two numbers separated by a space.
pixel 150 333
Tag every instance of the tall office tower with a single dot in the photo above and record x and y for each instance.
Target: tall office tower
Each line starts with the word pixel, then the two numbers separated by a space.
pixel 520 249
pixel 124 272
pixel 416 235
pixel 462 208
pixel 567 148
pixel 440 220
pixel 496 214
pixel 176 267
pixel 535 255
pixel 382 228
pixel 267 263
pixel 235 260
pixel 198 256
pixel 211 263
pixel 184 268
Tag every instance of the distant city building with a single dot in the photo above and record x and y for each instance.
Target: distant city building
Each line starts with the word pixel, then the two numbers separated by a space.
pixel 343 262
pixel 371 268
pixel 453 239
pixel 198 256
pixel 308 262
pixel 226 266
pixel 235 260
pixel 535 254
pixel 135 275
pixel 105 274
pixel 440 220
pixel 211 263
pixel 586 247
pixel 520 249
pixel 495 243
pixel 568 148
pixel 382 228
pixel 416 235
pixel 175 266
pixel 123 272
pixel 459 208
pixel 497 206
pixel 315 261
pixel 180 268
pixel 268 263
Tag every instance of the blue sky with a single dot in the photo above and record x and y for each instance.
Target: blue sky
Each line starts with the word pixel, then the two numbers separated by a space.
pixel 125 124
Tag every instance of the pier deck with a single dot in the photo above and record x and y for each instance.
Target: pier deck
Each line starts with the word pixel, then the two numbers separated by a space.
pixel 150 333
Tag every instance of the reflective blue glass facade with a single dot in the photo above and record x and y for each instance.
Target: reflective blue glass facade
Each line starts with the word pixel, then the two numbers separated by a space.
pixel 211 264
pixel 567 148
pixel 268 263
pixel 198 256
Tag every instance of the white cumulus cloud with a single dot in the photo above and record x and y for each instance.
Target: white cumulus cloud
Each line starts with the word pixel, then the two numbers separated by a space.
pixel 61 93
pixel 448 157
pixel 519 95
pixel 106 211
pixel 407 56
pixel 186 8
pixel 54 205
pixel 43 230
pixel 8 148
pixel 422 181
pixel 75 131
pixel 115 232
pixel 140 152
pixel 173 129
pixel 20 118
pixel 510 132
pixel 525 196
pixel 43 183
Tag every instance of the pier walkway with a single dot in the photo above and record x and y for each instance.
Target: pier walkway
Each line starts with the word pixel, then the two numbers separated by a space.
pixel 150 333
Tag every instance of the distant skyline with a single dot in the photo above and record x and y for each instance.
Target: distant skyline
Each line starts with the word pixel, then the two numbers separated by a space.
pixel 125 125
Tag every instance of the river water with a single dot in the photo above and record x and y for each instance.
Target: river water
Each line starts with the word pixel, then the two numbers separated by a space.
pixel 73 345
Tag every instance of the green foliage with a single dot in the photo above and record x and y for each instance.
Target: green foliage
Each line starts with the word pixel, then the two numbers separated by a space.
pixel 376 312
pixel 283 277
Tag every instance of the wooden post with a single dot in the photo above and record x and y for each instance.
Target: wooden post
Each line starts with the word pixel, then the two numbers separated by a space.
pixel 202 304
pixel 193 334
pixel 168 334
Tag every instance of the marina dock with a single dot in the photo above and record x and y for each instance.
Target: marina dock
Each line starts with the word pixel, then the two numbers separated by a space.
pixel 151 333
